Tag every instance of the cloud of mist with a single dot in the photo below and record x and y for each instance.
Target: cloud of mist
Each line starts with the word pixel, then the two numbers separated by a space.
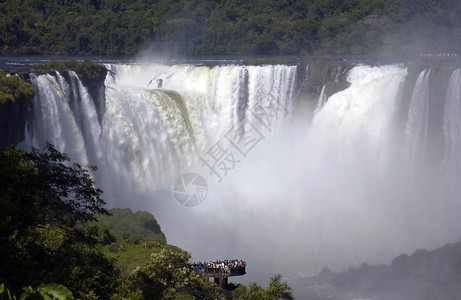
pixel 155 51
pixel 338 194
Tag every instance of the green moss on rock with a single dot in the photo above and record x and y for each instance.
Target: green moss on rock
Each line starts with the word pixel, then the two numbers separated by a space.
pixel 13 88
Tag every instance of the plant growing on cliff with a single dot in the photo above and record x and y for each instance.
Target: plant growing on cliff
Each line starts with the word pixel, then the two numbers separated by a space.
pixel 13 88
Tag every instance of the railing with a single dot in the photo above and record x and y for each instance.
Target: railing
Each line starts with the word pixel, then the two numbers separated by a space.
pixel 222 268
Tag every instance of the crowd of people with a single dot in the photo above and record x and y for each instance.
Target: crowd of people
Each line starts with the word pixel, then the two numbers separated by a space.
pixel 229 267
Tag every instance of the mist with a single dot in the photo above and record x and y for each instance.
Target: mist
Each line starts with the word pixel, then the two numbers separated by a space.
pixel 345 188
pixel 372 175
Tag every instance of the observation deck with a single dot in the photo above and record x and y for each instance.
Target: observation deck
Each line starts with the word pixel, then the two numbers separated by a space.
pixel 221 272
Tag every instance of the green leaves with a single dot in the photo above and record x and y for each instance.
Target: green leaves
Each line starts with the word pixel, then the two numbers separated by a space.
pixel 5 293
pixel 114 27
pixel 43 199
pixel 50 291
pixel 169 273
pixel 13 88
pixel 277 289
pixel 274 291
pixel 123 222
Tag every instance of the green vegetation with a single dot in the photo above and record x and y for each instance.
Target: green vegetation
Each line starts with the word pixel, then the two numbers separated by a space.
pixel 169 273
pixel 43 201
pixel 131 238
pixel 275 290
pixel 192 27
pixel 129 256
pixel 41 292
pixel 124 224
pixel 12 88
pixel 57 241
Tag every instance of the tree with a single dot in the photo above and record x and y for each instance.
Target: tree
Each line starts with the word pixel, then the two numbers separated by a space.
pixel 98 27
pixel 274 291
pixel 44 201
pixel 278 290
pixel 168 274
pixel 45 292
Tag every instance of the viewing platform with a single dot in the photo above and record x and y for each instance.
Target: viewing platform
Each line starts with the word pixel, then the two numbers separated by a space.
pixel 222 279
pixel 221 270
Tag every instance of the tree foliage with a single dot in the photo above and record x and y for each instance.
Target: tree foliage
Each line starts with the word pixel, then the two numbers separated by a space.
pixel 42 186
pixel 274 291
pixel 192 27
pixel 170 273
pixel 44 201
pixel 123 222
pixel 41 292
pixel 130 238
pixel 13 88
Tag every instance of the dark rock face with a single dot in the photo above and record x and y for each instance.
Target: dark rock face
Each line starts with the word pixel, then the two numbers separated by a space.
pixel 15 96
pixel 311 78
pixel 322 73
pixel 92 77
pixel 13 121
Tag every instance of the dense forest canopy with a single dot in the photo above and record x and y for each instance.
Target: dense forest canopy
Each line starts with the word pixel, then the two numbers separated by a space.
pixel 229 27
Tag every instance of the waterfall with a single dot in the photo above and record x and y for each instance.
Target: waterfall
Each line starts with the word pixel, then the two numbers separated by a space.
pixel 322 100
pixel 452 123
pixel 357 120
pixel 54 121
pixel 158 119
pixel 416 128
pixel 343 188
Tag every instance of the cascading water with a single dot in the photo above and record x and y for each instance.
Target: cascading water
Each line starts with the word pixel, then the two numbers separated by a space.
pixel 354 123
pixel 158 119
pixel 452 123
pixel 416 128
pixel 322 100
pixel 66 116
pixel 337 194
pixel 54 120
